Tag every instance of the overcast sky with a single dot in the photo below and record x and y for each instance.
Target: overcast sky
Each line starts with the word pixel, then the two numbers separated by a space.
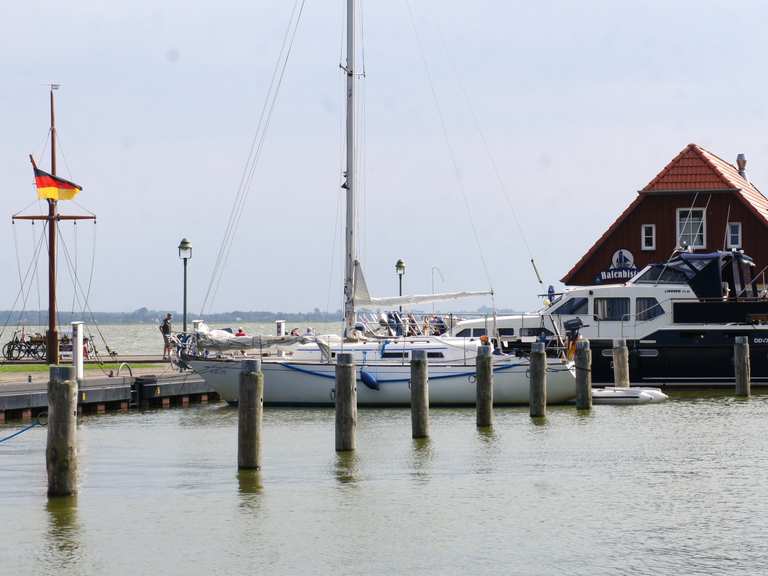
pixel 581 104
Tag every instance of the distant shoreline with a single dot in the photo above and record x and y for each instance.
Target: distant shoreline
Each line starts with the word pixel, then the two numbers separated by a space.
pixel 147 316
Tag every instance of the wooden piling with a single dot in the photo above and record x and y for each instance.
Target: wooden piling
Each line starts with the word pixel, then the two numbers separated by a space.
pixel 61 448
pixel 583 375
pixel 346 402
pixel 484 387
pixel 742 369
pixel 419 394
pixel 620 363
pixel 250 410
pixel 538 384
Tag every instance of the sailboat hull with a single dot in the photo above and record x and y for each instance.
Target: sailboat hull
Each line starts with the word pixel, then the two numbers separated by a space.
pixel 306 383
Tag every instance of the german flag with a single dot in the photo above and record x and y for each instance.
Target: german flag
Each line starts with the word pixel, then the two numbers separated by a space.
pixel 52 187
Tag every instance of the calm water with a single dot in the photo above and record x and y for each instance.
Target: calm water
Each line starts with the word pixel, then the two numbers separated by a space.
pixel 679 488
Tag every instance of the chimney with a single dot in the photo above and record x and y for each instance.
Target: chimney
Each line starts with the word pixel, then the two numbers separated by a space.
pixel 741 162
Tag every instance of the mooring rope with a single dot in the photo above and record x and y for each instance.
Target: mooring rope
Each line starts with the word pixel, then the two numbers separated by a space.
pixel 26 428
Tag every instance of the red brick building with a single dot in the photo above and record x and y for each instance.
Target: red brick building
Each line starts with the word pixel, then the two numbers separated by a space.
pixel 698 200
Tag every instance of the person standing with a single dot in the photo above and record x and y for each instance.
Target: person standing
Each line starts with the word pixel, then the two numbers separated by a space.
pixel 165 330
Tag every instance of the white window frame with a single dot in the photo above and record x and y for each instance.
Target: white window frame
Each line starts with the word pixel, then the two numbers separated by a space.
pixel 703 226
pixel 642 237
pixel 741 240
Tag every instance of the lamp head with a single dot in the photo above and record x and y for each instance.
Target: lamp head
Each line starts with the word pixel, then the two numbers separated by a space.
pixel 185 249
pixel 400 267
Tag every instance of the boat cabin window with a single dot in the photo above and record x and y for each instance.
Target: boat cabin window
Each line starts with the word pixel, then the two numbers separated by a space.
pixel 469 332
pixel 398 355
pixel 661 274
pixel 615 309
pixel 573 306
pixel 435 355
pixel 648 309
pixel 538 332
pixel 506 331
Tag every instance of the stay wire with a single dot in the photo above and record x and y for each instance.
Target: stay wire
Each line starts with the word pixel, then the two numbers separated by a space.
pixel 267 123
pixel 451 153
pixel 481 134
pixel 19 294
pixel 254 153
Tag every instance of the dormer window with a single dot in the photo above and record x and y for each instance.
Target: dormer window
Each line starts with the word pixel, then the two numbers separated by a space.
pixel 734 234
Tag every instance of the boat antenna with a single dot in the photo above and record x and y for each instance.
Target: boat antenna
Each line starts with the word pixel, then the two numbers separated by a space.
pixel 725 232
pixel 536 271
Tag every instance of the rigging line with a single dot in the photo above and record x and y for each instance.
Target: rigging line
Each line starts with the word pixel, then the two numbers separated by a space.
pixel 77 281
pixel 252 157
pixel 60 148
pixel 44 146
pixel 679 236
pixel 74 234
pixel 335 236
pixel 93 267
pixel 256 147
pixel 16 248
pixel 21 288
pixel 260 145
pixel 241 186
pixel 451 153
pixel 725 235
pixel 36 279
pixel 481 133
pixel 36 200
pixel 76 203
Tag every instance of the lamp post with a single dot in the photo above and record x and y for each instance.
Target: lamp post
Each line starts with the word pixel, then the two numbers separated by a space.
pixel 400 269
pixel 185 253
pixel 442 279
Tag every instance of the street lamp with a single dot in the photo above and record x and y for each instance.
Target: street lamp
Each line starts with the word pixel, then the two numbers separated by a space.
pixel 185 253
pixel 400 269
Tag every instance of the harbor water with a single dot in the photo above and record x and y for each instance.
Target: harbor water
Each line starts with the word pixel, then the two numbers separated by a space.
pixel 674 488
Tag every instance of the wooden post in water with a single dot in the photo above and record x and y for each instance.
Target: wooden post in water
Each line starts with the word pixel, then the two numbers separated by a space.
pixel 620 363
pixel 538 386
pixel 583 375
pixel 419 394
pixel 346 402
pixel 61 448
pixel 250 410
pixel 742 370
pixel 484 384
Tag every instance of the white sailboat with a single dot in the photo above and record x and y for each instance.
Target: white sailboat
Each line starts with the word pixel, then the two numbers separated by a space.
pixel 304 373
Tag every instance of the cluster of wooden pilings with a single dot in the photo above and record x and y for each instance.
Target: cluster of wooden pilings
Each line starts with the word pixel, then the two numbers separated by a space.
pixel 61 449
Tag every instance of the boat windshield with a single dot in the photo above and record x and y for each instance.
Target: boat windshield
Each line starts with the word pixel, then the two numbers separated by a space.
pixel 661 274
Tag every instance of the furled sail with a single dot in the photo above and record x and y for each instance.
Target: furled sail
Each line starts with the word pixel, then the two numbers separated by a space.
pixel 363 299
pixel 223 340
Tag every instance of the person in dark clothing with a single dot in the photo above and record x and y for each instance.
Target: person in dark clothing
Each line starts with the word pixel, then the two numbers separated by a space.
pixel 165 330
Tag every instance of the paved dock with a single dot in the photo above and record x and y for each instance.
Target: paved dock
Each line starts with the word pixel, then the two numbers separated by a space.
pixel 145 388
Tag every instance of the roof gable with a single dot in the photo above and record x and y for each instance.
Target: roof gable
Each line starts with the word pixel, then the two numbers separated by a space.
pixel 694 169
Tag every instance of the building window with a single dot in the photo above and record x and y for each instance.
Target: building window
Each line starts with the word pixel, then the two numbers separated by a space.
pixel 648 308
pixel 612 309
pixel 648 237
pixel 734 234
pixel 691 227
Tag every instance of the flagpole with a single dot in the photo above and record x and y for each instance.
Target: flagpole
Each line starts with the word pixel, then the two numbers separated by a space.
pixel 52 352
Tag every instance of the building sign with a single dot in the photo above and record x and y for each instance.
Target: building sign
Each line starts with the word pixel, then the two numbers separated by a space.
pixel 622 268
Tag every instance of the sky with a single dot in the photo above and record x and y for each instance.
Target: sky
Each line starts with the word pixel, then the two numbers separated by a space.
pixel 578 104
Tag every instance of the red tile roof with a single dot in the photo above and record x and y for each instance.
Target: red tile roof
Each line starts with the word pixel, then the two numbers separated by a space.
pixel 694 169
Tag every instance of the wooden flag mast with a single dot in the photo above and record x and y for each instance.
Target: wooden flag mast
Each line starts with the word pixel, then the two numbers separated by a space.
pixel 52 219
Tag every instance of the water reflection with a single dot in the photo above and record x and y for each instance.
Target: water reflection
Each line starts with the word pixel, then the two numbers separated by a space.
pixel 422 455
pixel 250 487
pixel 347 468
pixel 63 534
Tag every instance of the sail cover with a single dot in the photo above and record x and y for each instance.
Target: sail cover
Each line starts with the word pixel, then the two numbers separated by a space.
pixel 363 299
pixel 223 340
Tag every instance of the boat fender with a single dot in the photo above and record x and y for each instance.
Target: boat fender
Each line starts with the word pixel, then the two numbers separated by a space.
pixel 369 380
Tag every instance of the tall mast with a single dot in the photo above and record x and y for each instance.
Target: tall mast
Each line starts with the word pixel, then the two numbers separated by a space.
pixel 349 184
pixel 53 338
